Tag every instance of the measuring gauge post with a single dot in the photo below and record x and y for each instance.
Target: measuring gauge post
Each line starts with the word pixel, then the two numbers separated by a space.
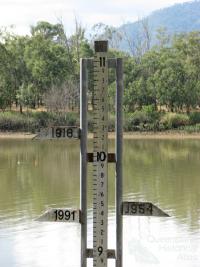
pixel 100 159
pixel 100 154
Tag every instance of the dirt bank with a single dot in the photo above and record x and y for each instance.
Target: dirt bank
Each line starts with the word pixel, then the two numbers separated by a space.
pixel 126 135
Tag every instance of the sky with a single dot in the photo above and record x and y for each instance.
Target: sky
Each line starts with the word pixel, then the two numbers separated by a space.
pixel 23 13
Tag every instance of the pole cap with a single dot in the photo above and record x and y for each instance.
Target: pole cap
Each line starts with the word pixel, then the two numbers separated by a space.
pixel 101 46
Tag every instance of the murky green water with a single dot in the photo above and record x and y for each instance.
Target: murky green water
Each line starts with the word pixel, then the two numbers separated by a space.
pixel 37 175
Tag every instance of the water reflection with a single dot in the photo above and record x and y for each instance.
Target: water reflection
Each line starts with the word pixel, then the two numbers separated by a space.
pixel 166 172
pixel 37 175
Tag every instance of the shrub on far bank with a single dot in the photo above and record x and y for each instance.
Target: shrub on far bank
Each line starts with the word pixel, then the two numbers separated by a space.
pixel 146 119
pixel 12 121
pixel 194 117
pixel 51 118
pixel 152 114
pixel 191 128
pixel 111 123
pixel 33 121
pixel 174 120
pixel 138 117
pixel 143 121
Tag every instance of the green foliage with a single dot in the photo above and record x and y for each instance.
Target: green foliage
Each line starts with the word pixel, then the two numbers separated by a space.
pixel 10 121
pixel 194 117
pixel 151 113
pixel 150 120
pixel 45 119
pixel 111 123
pixel 47 30
pixel 174 120
pixel 70 119
pixel 31 65
pixel 27 95
pixel 33 121
pixel 47 61
pixel 191 128
pixel 43 69
pixel 146 119
pixel 138 117
pixel 4 99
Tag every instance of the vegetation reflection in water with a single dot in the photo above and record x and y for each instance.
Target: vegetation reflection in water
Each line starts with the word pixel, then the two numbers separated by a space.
pixel 36 175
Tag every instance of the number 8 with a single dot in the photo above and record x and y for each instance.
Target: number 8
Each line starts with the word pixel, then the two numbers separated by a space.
pixel 69 133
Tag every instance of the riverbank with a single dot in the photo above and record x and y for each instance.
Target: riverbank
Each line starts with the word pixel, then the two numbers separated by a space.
pixel 16 135
pixel 126 135
pixel 139 122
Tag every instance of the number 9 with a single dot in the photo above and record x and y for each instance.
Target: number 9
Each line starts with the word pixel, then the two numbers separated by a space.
pixel 60 214
pixel 67 215
pixel 100 250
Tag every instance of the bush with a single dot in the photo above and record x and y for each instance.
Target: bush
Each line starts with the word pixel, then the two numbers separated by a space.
pixel 151 113
pixel 43 118
pixel 174 120
pixel 111 123
pixel 194 117
pixel 32 121
pixel 70 119
pixel 136 118
pixel 191 128
pixel 46 118
pixel 146 119
pixel 10 121
pixel 126 124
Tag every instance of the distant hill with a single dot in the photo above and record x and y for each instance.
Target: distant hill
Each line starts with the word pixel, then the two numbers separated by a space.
pixel 178 18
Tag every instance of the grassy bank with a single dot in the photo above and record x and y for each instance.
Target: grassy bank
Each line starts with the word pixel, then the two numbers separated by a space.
pixel 33 121
pixel 143 121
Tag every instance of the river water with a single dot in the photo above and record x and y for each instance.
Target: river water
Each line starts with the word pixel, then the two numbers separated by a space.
pixel 35 176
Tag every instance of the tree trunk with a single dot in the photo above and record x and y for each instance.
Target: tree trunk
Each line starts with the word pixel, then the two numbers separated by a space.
pixel 188 109
pixel 20 108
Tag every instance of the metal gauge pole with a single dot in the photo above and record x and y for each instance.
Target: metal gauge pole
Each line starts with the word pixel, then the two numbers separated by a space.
pixel 119 170
pixel 83 159
pixel 100 155
pixel 100 158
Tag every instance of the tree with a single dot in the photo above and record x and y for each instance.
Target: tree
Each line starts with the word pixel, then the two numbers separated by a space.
pixel 7 73
pixel 47 61
pixel 131 93
pixel 102 31
pixel 16 46
pixel 163 37
pixel 48 31
pixel 187 48
pixel 170 80
pixel 139 42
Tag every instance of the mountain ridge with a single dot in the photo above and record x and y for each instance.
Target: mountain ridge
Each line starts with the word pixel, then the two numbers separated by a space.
pixel 179 18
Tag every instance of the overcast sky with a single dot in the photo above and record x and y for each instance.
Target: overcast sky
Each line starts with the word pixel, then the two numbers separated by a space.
pixel 23 13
